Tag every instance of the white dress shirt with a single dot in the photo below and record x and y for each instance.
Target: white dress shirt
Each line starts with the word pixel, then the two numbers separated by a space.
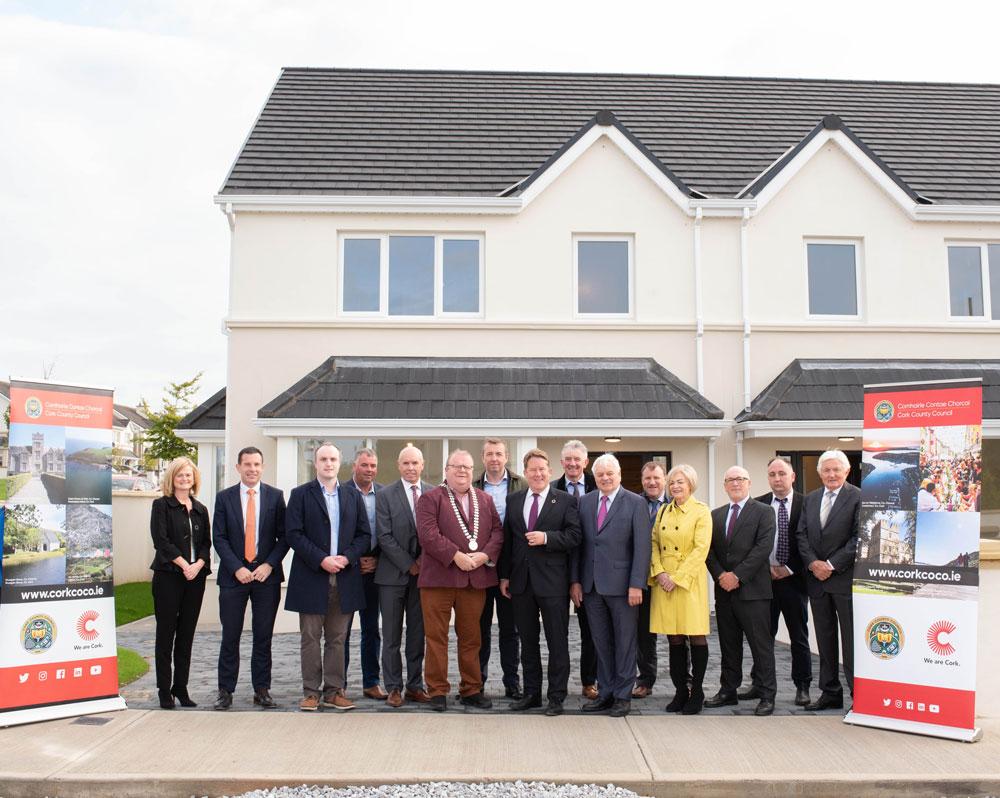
pixel 775 504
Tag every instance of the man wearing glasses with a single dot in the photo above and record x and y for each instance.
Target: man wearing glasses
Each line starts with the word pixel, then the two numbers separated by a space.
pixel 739 562
pixel 460 539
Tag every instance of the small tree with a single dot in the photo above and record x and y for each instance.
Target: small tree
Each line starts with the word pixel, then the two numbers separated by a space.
pixel 20 520
pixel 160 439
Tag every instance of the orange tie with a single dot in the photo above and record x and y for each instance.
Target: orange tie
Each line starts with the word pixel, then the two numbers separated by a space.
pixel 250 529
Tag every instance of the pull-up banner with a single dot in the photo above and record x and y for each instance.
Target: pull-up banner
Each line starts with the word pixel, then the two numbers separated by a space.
pixel 916 577
pixel 57 612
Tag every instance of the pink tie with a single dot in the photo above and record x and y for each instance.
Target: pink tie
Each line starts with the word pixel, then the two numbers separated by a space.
pixel 533 513
pixel 415 497
pixel 602 513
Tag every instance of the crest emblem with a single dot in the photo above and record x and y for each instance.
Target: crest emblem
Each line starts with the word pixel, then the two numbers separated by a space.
pixel 33 407
pixel 38 634
pixel 885 637
pixel 884 411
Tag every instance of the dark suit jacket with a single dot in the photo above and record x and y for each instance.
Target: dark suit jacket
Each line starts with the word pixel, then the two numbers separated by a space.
pixel 794 514
pixel 548 565
pixel 747 553
pixel 615 557
pixel 440 537
pixel 836 543
pixel 588 482
pixel 228 532
pixel 307 529
pixel 396 528
pixel 171 530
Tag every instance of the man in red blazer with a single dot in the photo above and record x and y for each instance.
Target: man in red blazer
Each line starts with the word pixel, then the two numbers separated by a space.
pixel 460 539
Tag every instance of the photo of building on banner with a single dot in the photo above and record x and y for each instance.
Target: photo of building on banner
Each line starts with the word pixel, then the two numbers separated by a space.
pixel 58 655
pixel 916 576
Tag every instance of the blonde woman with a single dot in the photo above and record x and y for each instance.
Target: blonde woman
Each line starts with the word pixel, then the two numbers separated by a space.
pixel 682 534
pixel 180 530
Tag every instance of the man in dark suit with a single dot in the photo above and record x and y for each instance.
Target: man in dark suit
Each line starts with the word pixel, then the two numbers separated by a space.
pixel 828 539
pixel 654 491
pixel 327 528
pixel 499 482
pixel 610 573
pixel 541 533
pixel 363 474
pixel 742 539
pixel 396 577
pixel 248 532
pixel 577 481
pixel 788 576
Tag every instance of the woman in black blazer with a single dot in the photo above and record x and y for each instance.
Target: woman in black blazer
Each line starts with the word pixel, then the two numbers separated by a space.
pixel 179 526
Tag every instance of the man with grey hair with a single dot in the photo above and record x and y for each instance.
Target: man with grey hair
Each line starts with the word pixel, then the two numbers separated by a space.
pixel 827 537
pixel 608 577
pixel 577 481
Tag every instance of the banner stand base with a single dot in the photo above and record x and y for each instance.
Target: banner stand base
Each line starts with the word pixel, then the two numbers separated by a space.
pixel 914 727
pixel 73 709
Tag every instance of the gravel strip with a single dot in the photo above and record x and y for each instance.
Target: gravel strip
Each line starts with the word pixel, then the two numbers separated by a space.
pixel 439 789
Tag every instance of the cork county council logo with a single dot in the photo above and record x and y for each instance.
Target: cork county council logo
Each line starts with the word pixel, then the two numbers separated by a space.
pixel 885 637
pixel 884 411
pixel 38 634
pixel 86 626
pixel 939 638
pixel 33 407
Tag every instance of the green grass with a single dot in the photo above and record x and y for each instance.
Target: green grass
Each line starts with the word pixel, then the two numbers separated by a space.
pixel 22 557
pixel 133 600
pixel 130 666
pixel 10 485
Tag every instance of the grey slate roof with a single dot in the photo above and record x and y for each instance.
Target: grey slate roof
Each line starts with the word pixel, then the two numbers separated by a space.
pixel 133 415
pixel 371 132
pixel 833 390
pixel 210 414
pixel 490 388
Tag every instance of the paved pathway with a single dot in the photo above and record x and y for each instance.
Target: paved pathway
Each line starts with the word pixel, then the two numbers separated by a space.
pixel 33 492
pixel 286 684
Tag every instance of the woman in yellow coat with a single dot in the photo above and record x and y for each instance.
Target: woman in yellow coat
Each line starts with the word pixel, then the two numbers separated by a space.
pixel 682 535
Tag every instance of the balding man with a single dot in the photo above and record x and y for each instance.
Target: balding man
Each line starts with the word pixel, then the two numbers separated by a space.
pixel 828 540
pixel 609 576
pixel 326 525
pixel 739 562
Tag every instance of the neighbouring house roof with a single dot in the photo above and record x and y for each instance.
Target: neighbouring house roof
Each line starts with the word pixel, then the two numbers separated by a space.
pixel 131 414
pixel 490 388
pixel 210 414
pixel 833 390
pixel 404 132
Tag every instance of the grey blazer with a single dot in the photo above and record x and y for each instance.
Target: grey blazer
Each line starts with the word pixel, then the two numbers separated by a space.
pixel 615 557
pixel 396 531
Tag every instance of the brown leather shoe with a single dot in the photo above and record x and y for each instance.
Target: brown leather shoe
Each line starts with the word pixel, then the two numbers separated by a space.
pixel 395 699
pixel 337 701
pixel 376 693
pixel 309 704
pixel 641 691
pixel 418 696
pixel 590 692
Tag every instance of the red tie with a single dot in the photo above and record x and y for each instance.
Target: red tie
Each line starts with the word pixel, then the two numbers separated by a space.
pixel 533 512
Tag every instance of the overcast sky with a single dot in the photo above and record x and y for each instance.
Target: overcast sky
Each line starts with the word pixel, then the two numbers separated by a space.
pixel 120 120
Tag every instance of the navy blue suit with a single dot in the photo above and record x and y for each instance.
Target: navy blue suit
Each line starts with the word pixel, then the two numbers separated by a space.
pixel 611 559
pixel 371 639
pixel 307 528
pixel 228 527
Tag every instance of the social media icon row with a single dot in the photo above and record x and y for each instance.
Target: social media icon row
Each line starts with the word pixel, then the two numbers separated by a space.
pixel 60 674
pixel 918 706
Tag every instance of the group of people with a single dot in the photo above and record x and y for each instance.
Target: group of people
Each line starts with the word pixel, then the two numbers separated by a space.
pixel 525 548
pixel 951 483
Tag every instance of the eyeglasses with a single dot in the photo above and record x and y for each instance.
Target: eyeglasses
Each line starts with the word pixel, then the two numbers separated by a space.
pixel 729 480
pixel 460 467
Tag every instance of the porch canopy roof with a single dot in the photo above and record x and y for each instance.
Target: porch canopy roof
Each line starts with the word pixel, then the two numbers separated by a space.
pixel 516 395
pixel 826 396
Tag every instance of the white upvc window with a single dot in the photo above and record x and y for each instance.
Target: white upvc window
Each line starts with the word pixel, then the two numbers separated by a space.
pixel 603 276
pixel 974 281
pixel 411 275
pixel 833 278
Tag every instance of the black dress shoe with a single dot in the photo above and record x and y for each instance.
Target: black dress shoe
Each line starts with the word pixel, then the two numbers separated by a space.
pixel 749 695
pixel 554 708
pixel 438 703
pixel 527 702
pixel 477 701
pixel 514 692
pixel 262 698
pixel 166 700
pixel 224 700
pixel 599 704
pixel 620 708
pixel 801 696
pixel 765 707
pixel 721 699
pixel 181 694
pixel 825 702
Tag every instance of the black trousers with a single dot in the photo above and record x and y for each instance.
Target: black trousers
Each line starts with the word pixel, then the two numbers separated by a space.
pixel 554 612
pixel 371 639
pixel 588 654
pixel 264 598
pixel 830 611
pixel 508 642
pixel 176 606
pixel 792 602
pixel 736 618
pixel 646 650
